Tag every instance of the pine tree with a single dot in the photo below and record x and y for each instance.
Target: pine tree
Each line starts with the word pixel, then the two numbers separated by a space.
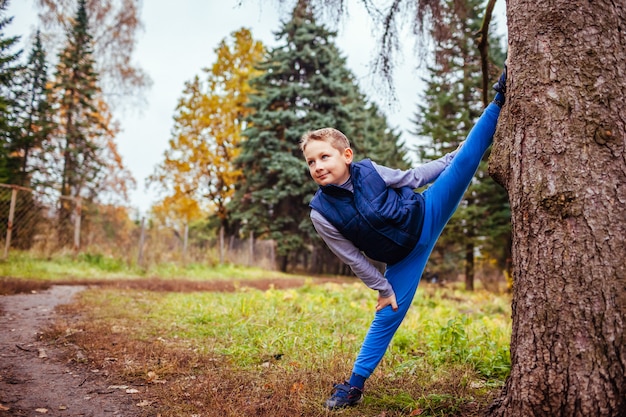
pixel 305 85
pixel 453 103
pixel 35 117
pixel 374 138
pixel 77 90
pixel 9 69
pixel 82 121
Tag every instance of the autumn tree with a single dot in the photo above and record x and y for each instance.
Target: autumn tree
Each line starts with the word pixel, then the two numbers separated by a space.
pixel 559 152
pixel 76 86
pixel 114 26
pixel 305 85
pixel 89 165
pixel 197 173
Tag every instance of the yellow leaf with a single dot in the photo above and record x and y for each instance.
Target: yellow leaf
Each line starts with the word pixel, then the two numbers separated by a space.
pixel 297 387
pixel 198 173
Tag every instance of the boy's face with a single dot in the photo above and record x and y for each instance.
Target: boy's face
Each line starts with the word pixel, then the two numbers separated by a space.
pixel 327 165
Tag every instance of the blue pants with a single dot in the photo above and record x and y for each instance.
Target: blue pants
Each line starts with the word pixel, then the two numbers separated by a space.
pixel 441 200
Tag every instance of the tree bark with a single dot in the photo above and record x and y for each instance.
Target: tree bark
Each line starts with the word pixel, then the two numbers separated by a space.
pixel 560 153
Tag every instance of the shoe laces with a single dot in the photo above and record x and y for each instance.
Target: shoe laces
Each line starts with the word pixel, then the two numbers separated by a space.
pixel 345 390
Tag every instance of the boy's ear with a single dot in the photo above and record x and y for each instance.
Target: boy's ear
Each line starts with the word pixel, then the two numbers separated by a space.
pixel 347 154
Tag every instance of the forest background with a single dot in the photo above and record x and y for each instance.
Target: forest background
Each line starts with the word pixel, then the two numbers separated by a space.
pixel 293 251
pixel 558 152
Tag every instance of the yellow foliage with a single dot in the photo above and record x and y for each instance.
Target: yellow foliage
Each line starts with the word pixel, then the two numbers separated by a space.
pixel 198 172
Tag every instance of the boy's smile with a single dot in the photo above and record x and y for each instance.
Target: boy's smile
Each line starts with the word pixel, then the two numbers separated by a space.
pixel 327 164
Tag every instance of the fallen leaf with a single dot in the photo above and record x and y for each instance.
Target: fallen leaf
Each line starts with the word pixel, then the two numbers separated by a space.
pixel 153 378
pixel 3 408
pixel 297 387
pixel 416 412
pixel 42 354
pixel 42 410
pixel 62 407
pixel 117 387
pixel 132 391
pixel 144 403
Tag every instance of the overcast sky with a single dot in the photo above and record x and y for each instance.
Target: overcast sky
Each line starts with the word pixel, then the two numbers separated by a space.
pixel 178 41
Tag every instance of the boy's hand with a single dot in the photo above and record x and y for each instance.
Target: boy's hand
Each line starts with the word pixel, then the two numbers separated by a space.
pixel 387 301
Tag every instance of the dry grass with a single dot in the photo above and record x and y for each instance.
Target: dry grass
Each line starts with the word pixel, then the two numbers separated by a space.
pixel 178 380
pixel 10 286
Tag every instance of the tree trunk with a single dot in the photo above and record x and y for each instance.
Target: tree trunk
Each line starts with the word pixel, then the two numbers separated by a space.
pixel 560 153
pixel 469 266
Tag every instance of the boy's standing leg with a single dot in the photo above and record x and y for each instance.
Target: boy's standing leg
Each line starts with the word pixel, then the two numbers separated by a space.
pixel 441 198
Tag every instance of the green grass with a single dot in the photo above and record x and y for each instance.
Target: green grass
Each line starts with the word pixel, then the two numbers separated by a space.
pixel 448 358
pixel 453 344
pixel 248 326
pixel 86 266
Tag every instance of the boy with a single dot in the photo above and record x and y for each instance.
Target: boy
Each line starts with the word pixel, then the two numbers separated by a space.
pixel 364 209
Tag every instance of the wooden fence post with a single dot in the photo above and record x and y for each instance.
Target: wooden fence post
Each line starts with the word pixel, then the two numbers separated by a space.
pixel 142 237
pixel 77 216
pixel 221 243
pixel 7 243
pixel 251 249
pixel 185 241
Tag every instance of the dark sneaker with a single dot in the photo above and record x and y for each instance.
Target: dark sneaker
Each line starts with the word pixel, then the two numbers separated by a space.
pixel 344 395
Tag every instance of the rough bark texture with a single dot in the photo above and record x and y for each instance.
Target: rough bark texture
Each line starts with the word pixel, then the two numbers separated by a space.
pixel 560 153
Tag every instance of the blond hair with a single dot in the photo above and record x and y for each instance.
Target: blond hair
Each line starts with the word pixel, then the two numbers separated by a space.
pixel 334 137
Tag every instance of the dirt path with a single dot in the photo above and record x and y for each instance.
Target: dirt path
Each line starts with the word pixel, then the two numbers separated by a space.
pixel 35 380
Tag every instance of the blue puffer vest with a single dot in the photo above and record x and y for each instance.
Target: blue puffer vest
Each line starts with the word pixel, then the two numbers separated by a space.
pixel 385 223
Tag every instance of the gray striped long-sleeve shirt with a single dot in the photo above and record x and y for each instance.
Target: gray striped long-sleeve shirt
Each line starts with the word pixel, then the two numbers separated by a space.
pixel 345 249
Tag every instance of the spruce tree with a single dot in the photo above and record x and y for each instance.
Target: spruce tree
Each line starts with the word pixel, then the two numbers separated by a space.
pixel 35 118
pixel 452 105
pixel 76 90
pixel 373 138
pixel 81 126
pixel 9 69
pixel 305 85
